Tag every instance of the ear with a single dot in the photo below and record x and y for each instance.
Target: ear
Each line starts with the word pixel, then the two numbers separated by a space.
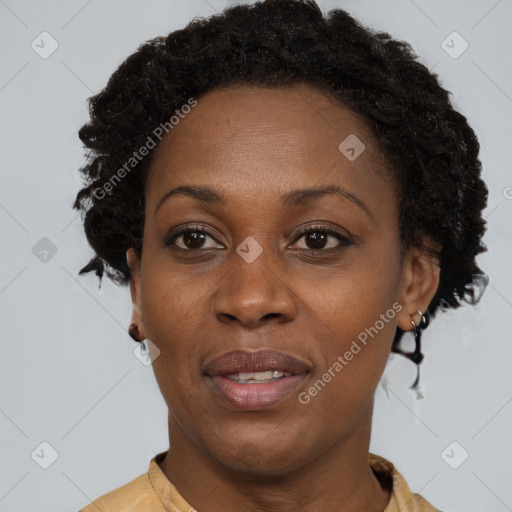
pixel 420 281
pixel 133 261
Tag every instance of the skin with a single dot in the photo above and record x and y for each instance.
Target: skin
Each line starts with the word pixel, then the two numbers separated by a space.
pixel 252 145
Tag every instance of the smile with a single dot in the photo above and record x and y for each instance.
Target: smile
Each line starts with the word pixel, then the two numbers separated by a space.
pixel 255 380
pixel 257 377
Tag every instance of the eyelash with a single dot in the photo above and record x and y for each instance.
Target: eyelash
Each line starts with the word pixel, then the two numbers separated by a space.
pixel 345 240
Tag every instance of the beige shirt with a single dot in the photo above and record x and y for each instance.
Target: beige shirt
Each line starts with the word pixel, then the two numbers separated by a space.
pixel 153 492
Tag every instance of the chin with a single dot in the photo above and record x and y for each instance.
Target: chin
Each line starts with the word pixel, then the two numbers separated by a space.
pixel 260 458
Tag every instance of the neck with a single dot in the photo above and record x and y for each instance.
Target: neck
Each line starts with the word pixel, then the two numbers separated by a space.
pixel 338 479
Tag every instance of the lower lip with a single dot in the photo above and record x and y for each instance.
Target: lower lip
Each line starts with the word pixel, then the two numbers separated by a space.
pixel 252 397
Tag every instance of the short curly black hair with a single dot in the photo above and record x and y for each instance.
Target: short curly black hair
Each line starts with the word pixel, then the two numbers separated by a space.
pixel 432 150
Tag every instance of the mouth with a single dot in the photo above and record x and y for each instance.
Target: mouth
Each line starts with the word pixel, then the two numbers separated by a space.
pixel 255 380
pixel 257 377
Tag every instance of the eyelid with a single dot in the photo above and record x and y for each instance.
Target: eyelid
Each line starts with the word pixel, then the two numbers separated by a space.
pixel 185 228
pixel 343 242
pixel 343 236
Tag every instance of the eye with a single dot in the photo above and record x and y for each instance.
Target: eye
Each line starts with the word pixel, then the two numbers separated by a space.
pixel 318 238
pixel 192 238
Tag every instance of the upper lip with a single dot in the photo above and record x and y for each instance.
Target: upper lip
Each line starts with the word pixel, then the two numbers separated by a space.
pixel 238 361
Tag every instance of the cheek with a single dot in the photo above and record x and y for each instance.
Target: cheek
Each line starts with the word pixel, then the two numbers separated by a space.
pixel 355 317
pixel 358 329
pixel 353 299
pixel 170 311
pixel 349 367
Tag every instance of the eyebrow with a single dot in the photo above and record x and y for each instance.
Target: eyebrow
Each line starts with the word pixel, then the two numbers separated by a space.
pixel 205 194
pixel 302 196
pixel 294 198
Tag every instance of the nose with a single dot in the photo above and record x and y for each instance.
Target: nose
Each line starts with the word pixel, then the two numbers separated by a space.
pixel 254 294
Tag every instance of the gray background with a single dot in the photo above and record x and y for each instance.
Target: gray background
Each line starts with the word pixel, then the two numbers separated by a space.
pixel 68 373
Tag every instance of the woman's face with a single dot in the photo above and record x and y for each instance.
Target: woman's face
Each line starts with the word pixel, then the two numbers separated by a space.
pixel 291 260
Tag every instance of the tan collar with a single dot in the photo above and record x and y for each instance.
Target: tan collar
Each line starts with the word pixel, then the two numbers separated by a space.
pixel 402 500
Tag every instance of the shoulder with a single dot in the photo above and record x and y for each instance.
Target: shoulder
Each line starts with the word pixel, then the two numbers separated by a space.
pixel 402 499
pixel 135 496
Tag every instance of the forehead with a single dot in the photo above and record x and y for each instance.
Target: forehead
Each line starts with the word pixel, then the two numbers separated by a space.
pixel 259 140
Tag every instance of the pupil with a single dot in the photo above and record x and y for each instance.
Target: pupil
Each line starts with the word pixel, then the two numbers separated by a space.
pixel 190 239
pixel 317 239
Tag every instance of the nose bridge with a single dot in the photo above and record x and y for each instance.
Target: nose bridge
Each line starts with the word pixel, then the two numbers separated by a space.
pixel 252 289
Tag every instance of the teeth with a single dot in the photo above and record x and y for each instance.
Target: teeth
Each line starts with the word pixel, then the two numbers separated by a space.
pixel 254 377
pixel 268 375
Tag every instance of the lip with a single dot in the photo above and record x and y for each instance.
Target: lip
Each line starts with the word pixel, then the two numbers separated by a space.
pixel 257 396
pixel 238 361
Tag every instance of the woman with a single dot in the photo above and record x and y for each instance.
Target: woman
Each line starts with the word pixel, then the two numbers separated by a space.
pixel 286 194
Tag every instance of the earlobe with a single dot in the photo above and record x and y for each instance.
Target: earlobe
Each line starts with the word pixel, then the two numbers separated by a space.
pixel 136 329
pixel 420 281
